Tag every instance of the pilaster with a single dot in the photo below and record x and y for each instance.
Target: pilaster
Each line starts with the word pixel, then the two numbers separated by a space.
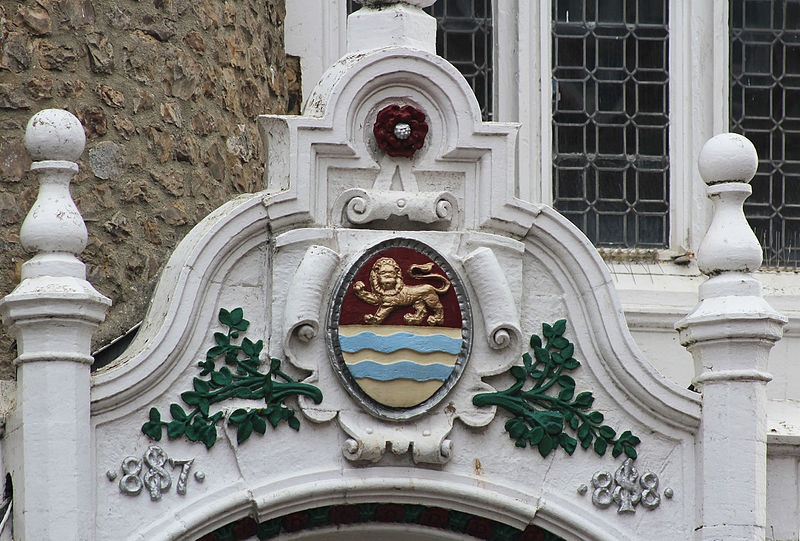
pixel 730 333
pixel 52 314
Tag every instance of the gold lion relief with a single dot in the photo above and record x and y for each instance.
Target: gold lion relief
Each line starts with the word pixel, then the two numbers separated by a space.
pixel 389 292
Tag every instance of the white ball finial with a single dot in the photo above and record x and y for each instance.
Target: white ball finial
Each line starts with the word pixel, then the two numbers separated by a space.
pixel 727 157
pixel 55 134
pixel 54 229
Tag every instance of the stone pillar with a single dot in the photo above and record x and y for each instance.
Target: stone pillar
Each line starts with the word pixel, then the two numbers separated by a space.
pixel 391 23
pixel 52 314
pixel 730 333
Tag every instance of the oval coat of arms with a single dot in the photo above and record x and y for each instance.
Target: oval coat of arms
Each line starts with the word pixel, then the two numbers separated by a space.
pixel 400 329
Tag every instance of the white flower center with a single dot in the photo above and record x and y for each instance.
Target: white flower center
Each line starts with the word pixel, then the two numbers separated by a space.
pixel 402 130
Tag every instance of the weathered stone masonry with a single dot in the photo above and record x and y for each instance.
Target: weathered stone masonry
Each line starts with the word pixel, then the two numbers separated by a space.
pixel 168 91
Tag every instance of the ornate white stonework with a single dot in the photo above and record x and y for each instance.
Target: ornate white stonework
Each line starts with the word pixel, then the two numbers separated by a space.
pixel 319 250
pixel 334 193
pixel 354 210
pixel 417 3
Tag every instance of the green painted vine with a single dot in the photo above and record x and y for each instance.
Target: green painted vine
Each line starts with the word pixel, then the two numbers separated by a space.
pixel 542 415
pixel 244 381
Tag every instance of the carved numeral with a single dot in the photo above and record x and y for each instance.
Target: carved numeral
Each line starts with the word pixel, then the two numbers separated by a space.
pixel 157 479
pixel 151 473
pixel 627 493
pixel 185 465
pixel 626 488
pixel 130 482
pixel 601 497
pixel 650 497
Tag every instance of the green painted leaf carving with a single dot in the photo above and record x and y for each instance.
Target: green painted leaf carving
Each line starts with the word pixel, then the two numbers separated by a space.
pixel 259 424
pixel 245 381
pixel 549 407
pixel 153 427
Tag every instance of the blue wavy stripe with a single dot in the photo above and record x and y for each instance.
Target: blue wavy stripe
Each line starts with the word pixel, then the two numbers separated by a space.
pixel 402 369
pixel 400 340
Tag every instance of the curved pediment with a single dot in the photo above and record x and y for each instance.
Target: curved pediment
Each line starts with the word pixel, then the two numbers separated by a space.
pixel 552 273
pixel 388 322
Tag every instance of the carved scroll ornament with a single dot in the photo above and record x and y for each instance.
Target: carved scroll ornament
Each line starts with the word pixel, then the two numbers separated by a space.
pixel 500 315
pixel 306 291
pixel 364 206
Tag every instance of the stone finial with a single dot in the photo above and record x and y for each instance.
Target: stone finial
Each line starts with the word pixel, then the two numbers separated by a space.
pixel 727 162
pixel 52 314
pixel 730 333
pixel 54 229
pixel 727 157
pixel 54 134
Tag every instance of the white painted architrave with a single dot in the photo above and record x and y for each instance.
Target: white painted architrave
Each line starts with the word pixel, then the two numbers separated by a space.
pixel 396 485
pixel 234 488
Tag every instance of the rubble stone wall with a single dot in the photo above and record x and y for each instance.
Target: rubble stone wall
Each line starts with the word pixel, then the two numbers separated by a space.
pixel 168 91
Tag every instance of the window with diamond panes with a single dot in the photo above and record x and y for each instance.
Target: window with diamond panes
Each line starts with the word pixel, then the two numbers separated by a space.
pixel 464 38
pixel 765 108
pixel 610 119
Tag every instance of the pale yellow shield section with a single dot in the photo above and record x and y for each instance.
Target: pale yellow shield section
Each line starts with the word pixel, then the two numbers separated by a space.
pixel 399 393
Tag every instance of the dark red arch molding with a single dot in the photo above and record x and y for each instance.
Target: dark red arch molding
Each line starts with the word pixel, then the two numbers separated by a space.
pixel 432 517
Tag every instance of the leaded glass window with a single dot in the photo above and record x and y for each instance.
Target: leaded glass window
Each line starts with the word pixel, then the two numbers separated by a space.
pixel 765 108
pixel 464 38
pixel 610 119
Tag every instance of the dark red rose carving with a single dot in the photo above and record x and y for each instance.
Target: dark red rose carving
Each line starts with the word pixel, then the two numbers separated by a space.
pixel 435 517
pixel 400 131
